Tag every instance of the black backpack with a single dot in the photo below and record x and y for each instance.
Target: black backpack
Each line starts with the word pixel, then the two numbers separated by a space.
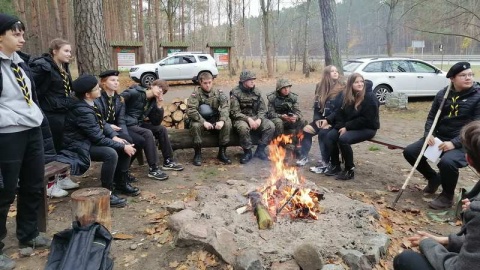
pixel 81 248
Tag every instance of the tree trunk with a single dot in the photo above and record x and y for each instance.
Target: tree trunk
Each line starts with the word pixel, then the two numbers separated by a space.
pixel 35 40
pixel 141 32
pixel 58 22
pixel 92 205
pixel 389 29
pixel 330 38
pixel 266 9
pixel 93 54
pixel 306 66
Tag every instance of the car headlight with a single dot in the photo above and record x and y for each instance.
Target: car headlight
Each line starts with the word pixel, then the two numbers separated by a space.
pixel 133 69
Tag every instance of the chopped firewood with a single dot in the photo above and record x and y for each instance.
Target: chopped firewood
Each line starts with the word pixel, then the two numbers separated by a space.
pixel 182 106
pixel 177 116
pixel 172 107
pixel 264 220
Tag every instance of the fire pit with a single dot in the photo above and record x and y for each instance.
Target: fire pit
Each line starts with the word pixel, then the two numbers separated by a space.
pixel 299 215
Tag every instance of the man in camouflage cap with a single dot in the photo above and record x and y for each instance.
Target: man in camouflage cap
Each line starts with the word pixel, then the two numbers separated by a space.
pixel 283 109
pixel 247 111
pixel 208 109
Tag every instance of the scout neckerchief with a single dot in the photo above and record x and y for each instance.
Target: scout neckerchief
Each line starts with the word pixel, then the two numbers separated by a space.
pixel 454 107
pixel 66 83
pixel 99 116
pixel 21 82
pixel 111 110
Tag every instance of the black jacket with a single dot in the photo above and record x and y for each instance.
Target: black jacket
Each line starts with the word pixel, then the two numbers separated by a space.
pixel 50 85
pixel 331 107
pixel 367 115
pixel 137 107
pixel 82 130
pixel 459 109
pixel 118 107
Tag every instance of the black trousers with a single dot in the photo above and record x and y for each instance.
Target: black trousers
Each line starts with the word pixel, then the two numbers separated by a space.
pixel 57 124
pixel 448 165
pixel 307 142
pixel 22 162
pixel 160 132
pixel 144 137
pixel 334 142
pixel 411 260
pixel 114 167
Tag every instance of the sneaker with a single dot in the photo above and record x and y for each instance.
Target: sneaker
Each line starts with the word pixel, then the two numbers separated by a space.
pixel 37 242
pixel 346 175
pixel 6 263
pixel 169 165
pixel 157 174
pixel 442 202
pixel 318 169
pixel 66 183
pixel 333 170
pixel 302 161
pixel 55 191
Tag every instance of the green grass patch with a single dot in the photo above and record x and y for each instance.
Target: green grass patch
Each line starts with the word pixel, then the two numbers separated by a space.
pixel 373 148
pixel 209 173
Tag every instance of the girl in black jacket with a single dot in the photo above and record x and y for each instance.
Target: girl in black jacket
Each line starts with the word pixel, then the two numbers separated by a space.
pixel 356 121
pixel 89 137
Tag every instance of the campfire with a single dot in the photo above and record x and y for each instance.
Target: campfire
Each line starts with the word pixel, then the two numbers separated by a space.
pixel 284 193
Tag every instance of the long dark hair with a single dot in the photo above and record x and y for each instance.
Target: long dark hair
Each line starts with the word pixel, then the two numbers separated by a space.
pixel 327 88
pixel 350 96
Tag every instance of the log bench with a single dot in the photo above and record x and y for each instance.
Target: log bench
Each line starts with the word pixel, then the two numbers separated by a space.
pixel 52 169
pixel 181 139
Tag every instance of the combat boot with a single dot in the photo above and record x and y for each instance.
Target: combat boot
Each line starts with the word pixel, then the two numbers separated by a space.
pixel 260 152
pixel 117 202
pixel 247 156
pixel 123 187
pixel 197 158
pixel 222 155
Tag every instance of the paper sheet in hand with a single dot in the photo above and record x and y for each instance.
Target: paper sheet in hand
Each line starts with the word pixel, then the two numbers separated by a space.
pixel 432 153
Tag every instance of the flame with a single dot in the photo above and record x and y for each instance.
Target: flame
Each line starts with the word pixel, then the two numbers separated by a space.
pixel 284 185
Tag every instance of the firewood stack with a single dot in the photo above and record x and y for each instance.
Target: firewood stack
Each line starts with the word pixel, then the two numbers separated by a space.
pixel 175 114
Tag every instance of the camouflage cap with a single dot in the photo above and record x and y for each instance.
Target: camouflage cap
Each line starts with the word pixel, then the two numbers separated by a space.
pixel 281 83
pixel 247 75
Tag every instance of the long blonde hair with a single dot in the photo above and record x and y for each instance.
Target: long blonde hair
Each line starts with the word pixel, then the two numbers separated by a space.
pixel 350 96
pixel 327 88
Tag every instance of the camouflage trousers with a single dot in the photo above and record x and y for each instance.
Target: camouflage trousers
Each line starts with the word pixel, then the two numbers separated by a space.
pixel 283 127
pixel 197 130
pixel 265 131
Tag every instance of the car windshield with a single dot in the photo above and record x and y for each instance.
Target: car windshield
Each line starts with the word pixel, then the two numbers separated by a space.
pixel 350 66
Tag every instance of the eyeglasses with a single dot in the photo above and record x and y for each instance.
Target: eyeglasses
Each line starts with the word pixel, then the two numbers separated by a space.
pixel 466 75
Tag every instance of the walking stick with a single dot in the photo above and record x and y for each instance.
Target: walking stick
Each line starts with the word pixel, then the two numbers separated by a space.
pixel 430 132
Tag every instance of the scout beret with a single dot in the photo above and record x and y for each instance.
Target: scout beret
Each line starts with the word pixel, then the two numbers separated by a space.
pixel 6 21
pixel 108 73
pixel 84 84
pixel 457 68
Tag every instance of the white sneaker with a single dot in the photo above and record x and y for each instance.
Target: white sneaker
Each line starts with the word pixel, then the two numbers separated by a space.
pixel 318 169
pixel 302 162
pixel 66 183
pixel 55 191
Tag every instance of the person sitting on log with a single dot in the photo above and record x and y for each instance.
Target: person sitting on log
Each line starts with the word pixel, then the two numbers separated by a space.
pixel 284 110
pixel 248 113
pixel 112 107
pixel 458 250
pixel 460 108
pixel 88 137
pixel 144 110
pixel 208 109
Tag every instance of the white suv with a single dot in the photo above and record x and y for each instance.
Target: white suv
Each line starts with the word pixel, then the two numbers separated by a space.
pixel 413 77
pixel 176 67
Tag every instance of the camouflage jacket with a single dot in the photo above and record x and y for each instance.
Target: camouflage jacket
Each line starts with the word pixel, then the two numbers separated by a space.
pixel 215 99
pixel 278 105
pixel 246 103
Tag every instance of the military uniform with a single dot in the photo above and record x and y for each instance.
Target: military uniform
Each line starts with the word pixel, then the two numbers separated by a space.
pixel 279 105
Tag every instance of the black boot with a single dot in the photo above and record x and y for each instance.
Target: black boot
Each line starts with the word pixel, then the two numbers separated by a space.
pixel 260 152
pixel 131 178
pixel 222 155
pixel 197 158
pixel 247 156
pixel 117 202
pixel 123 187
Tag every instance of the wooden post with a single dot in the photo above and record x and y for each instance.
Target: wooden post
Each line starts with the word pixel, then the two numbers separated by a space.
pixel 92 205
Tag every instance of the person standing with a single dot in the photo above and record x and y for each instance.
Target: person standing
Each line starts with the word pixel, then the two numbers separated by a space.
pixel 53 81
pixel 461 106
pixel 248 113
pixel 208 109
pixel 22 155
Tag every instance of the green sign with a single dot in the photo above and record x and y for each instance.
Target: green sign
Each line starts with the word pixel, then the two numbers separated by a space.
pixel 169 51
pixel 220 50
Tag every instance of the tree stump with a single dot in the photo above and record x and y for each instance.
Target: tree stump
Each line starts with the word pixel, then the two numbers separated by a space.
pixel 92 205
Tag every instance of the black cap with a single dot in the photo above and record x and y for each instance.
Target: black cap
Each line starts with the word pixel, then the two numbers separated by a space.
pixel 108 73
pixel 84 84
pixel 457 68
pixel 6 21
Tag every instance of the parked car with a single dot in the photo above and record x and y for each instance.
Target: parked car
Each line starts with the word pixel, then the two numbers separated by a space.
pixel 414 77
pixel 176 67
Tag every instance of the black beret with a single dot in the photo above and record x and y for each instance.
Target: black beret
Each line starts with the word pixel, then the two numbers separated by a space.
pixel 84 84
pixel 6 21
pixel 108 73
pixel 457 68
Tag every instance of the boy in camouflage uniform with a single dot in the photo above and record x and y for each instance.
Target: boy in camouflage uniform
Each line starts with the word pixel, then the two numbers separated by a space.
pixel 247 111
pixel 208 109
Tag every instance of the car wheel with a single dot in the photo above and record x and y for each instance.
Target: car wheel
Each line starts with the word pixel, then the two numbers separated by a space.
pixel 147 79
pixel 381 92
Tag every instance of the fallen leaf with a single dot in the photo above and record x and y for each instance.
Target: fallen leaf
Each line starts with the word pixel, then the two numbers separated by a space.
pixel 122 236
pixel 406 244
pixel 222 169
pixel 166 191
pixel 388 229
pixel 51 207
pixel 173 264
pixel 393 188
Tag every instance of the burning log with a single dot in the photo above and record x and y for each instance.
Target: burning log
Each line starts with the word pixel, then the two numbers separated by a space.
pixel 264 219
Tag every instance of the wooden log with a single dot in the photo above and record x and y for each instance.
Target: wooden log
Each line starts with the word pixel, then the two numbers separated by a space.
pixel 264 219
pixel 180 125
pixel 177 116
pixel 167 119
pixel 172 107
pixel 185 101
pixel 92 205
pixel 182 106
pixel 166 113
pixel 177 100
pixel 181 139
